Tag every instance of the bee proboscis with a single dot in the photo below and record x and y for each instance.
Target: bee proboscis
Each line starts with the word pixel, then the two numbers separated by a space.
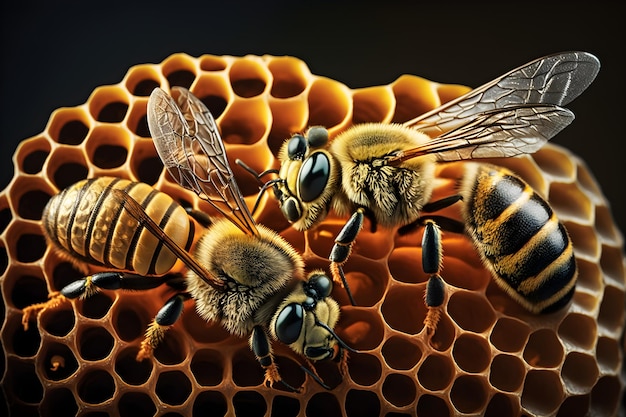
pixel 386 171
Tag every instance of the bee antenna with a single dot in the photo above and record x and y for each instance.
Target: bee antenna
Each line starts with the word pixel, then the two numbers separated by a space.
pixel 315 377
pixel 333 334
pixel 264 188
pixel 252 172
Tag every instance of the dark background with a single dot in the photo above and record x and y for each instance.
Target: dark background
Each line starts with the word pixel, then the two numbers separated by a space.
pixel 56 55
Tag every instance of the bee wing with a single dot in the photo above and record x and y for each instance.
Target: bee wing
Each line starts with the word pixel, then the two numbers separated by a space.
pixel 497 133
pixel 191 148
pixel 554 79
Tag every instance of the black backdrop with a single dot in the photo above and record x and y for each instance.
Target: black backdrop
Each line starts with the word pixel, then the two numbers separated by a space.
pixel 55 55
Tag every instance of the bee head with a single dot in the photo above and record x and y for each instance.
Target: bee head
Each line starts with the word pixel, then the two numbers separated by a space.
pixel 306 318
pixel 307 178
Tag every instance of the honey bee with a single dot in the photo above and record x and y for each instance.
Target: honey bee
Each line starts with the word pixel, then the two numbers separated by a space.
pixel 386 171
pixel 240 274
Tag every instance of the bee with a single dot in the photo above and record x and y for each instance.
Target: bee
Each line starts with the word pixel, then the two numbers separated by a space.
pixel 240 274
pixel 386 171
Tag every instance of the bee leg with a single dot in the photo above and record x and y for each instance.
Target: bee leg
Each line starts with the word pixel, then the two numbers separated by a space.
pixel 342 248
pixel 199 216
pixel 260 346
pixel 437 205
pixel 55 299
pixel 165 318
pixel 432 254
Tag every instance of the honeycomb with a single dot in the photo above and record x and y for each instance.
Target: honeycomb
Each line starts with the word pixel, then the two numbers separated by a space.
pixel 487 357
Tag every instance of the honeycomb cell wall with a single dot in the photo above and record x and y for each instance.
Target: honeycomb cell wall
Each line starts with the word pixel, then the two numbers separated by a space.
pixel 488 356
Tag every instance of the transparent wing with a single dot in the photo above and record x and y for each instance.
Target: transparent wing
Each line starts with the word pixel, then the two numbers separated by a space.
pixel 553 80
pixel 191 148
pixel 497 133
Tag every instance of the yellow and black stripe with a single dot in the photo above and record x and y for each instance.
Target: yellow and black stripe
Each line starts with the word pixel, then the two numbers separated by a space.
pixel 519 238
pixel 87 223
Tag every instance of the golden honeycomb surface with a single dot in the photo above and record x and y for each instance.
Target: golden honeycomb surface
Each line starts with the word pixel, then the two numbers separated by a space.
pixel 487 357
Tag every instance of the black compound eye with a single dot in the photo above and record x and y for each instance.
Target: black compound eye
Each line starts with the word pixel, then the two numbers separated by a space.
pixel 322 285
pixel 296 147
pixel 317 136
pixel 313 176
pixel 289 323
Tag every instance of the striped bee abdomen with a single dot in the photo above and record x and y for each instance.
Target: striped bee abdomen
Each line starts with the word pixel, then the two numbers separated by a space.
pixel 519 238
pixel 87 223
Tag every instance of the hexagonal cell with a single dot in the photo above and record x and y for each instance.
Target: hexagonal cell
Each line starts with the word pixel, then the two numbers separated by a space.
pixel 94 343
pixel 608 355
pixel 329 104
pixel 604 224
pixel 107 146
pixel 69 126
pixel 23 343
pixel 215 92
pixel 285 406
pixel 212 63
pixel 543 349
pixel 361 328
pixel 132 371
pixel 561 198
pixel 95 307
pixel 399 389
pixel 210 403
pixel 471 353
pixel 611 314
pixel 605 396
pixel 59 321
pixel 25 242
pixel 248 78
pixel 509 335
pixel 142 79
pixel 180 70
pixel 471 311
pixel 133 403
pixel 577 329
pixel 29 197
pixel 323 404
pixel 411 320
pixel 414 96
pixel 137 120
pixel 59 362
pixel 246 371
pixel 31 155
pixel 24 287
pixel 436 372
pixel 109 104
pixel 58 401
pixel 246 122
pixel 96 386
pixel 289 77
pixel 67 165
pixel 364 369
pixel 469 394
pixel 173 349
pixel 543 392
pixel 207 366
pixel 145 164
pixel 501 405
pixel 579 372
pixel 428 404
pixel 249 403
pixel 507 373
pixel 373 104
pixel 401 353
pixel 555 163
pixel 173 387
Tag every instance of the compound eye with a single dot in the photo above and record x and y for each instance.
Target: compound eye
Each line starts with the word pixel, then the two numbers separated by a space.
pixel 313 176
pixel 296 147
pixel 289 323
pixel 317 136
pixel 322 286
pixel 291 210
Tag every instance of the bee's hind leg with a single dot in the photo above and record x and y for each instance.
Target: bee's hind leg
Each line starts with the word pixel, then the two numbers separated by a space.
pixel 165 318
pixel 432 255
pixel 342 248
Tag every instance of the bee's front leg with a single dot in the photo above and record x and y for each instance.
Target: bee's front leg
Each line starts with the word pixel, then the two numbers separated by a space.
pixel 432 256
pixel 261 347
pixel 342 248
